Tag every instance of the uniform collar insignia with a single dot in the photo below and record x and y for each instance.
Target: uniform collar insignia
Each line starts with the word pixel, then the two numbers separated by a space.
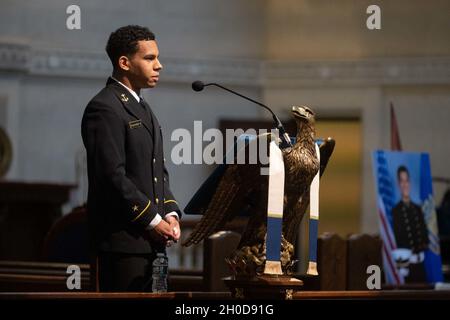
pixel 124 97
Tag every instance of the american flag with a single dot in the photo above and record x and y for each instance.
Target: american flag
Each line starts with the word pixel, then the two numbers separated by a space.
pixel 385 205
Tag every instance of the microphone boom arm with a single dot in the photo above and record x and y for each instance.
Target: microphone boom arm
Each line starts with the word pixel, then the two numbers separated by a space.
pixel 285 140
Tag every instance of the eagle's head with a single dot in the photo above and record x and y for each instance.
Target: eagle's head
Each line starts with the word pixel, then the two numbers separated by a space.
pixel 305 121
pixel 303 114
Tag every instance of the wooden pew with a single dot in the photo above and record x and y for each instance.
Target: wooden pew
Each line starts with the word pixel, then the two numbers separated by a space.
pixel 331 262
pixel 363 250
pixel 21 276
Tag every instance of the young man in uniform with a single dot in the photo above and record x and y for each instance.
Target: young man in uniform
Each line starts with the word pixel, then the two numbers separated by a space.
pixel 132 212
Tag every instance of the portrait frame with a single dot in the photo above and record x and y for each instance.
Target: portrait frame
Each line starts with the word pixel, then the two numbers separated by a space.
pixel 407 217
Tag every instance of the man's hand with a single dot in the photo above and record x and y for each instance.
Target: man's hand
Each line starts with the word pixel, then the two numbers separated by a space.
pixel 162 232
pixel 174 226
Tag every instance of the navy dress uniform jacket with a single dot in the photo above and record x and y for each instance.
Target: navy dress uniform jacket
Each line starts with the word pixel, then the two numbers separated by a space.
pixel 128 181
pixel 410 228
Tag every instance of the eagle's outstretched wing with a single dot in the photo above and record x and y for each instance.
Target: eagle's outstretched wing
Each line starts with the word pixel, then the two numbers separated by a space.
pixel 291 228
pixel 235 186
pixel 326 150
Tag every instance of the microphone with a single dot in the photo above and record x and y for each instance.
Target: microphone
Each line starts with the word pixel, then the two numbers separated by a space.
pixel 285 140
pixel 197 86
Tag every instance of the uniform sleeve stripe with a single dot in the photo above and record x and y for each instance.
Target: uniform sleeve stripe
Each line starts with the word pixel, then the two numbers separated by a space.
pixel 167 201
pixel 142 212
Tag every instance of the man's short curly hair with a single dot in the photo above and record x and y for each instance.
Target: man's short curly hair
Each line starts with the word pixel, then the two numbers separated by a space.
pixel 124 41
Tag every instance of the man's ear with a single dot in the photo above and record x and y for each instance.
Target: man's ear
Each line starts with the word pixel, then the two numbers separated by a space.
pixel 124 63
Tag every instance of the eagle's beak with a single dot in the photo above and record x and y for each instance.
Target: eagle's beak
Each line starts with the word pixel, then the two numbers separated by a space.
pixel 302 112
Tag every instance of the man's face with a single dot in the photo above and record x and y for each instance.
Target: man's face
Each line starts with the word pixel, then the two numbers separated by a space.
pixel 144 66
pixel 403 183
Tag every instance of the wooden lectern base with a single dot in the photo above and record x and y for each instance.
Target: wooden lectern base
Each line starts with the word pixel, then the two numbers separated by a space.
pixel 264 287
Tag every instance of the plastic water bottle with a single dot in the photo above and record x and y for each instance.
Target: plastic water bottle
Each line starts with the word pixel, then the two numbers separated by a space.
pixel 159 273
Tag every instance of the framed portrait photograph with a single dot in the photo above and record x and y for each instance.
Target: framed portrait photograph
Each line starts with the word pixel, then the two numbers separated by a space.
pixel 407 217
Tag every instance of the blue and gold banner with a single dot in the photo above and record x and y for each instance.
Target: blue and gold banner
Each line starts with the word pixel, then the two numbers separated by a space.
pixel 275 202
pixel 314 220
